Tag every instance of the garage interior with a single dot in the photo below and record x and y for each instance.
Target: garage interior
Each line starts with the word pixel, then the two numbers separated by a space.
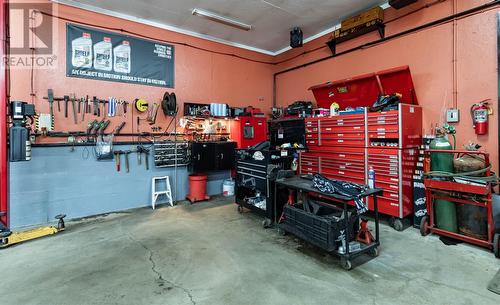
pixel 249 152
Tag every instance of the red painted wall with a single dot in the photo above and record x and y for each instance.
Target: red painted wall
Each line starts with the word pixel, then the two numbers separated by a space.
pixel 207 77
pixel 429 53
pixel 200 76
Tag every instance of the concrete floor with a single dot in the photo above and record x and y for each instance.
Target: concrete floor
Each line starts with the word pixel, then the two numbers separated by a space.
pixel 209 254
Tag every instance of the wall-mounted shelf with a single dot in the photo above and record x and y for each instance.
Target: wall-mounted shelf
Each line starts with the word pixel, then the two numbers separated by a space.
pixel 354 33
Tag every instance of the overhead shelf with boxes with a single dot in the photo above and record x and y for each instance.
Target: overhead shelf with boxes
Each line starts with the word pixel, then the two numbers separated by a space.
pixel 347 145
pixel 366 22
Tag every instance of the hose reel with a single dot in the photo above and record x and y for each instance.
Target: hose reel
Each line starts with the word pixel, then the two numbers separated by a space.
pixel 169 104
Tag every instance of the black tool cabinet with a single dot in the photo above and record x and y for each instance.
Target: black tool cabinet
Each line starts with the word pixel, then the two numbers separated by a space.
pixel 255 182
pixel 212 156
pixel 288 130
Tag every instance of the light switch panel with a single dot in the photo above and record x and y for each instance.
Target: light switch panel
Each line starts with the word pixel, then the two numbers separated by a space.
pixel 452 116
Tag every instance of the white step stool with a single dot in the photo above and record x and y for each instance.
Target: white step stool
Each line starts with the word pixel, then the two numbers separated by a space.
pixel 167 191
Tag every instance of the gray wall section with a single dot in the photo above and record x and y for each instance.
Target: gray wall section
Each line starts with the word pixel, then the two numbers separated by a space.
pixel 57 180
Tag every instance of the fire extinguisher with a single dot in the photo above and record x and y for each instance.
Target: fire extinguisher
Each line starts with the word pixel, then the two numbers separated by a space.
pixel 479 113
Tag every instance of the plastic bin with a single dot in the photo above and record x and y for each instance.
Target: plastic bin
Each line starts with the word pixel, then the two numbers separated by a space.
pixel 323 229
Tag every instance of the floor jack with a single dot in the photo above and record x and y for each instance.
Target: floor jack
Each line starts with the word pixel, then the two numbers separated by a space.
pixel 8 238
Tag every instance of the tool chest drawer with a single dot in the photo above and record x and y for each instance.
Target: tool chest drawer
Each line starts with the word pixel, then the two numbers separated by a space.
pixel 389 186
pixel 347 165
pixel 251 170
pixel 343 135
pixel 383 134
pixel 386 205
pixel 343 173
pixel 343 165
pixel 342 153
pixel 341 142
pixel 344 178
pixel 383 118
pixel 386 164
pixel 311 122
pixel 344 120
pixel 308 164
pixel 342 129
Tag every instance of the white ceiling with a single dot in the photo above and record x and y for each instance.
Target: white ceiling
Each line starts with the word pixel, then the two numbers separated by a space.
pixel 272 20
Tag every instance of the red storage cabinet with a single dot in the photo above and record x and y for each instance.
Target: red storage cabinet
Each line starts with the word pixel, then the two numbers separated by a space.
pixel 344 147
pixel 248 131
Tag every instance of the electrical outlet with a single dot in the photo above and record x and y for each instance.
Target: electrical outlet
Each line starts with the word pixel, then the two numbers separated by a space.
pixel 452 116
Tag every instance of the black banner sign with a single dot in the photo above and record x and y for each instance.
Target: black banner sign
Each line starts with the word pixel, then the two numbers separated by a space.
pixel 95 54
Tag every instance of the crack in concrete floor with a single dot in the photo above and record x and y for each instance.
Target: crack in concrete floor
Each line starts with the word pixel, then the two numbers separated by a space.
pixel 160 280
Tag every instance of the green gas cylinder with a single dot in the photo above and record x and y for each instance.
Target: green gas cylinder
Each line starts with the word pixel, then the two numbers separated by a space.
pixel 445 211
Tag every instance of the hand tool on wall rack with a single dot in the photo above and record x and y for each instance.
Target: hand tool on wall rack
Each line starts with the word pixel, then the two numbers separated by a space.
pixel 117 154
pixel 92 126
pixel 66 101
pixel 152 113
pixel 102 126
pixel 73 104
pixel 50 97
pixel 142 150
pixel 104 110
pixel 84 104
pixel 95 102
pixel 58 102
pixel 87 103
pixel 126 153
pixel 79 104
pixel 119 128
pixel 112 102
pixel 125 103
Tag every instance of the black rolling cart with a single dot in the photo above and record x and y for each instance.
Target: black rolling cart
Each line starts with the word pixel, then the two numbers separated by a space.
pixel 320 232
pixel 255 182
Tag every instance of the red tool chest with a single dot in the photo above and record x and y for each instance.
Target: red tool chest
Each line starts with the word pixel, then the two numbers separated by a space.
pixel 247 131
pixel 345 146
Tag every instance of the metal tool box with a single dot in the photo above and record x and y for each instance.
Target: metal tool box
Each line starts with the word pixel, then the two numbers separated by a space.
pixel 166 155
pixel 255 182
pixel 346 146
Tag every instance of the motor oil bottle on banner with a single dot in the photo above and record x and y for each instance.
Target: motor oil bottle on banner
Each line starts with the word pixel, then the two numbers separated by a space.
pixel 103 55
pixel 122 58
pixel 81 53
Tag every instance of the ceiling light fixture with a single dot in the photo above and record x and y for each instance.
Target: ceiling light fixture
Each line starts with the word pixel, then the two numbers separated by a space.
pixel 221 19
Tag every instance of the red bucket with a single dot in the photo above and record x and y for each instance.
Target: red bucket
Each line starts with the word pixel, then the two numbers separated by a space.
pixel 197 187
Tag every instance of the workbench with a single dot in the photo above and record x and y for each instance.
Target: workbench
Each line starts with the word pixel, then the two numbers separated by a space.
pixel 305 186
